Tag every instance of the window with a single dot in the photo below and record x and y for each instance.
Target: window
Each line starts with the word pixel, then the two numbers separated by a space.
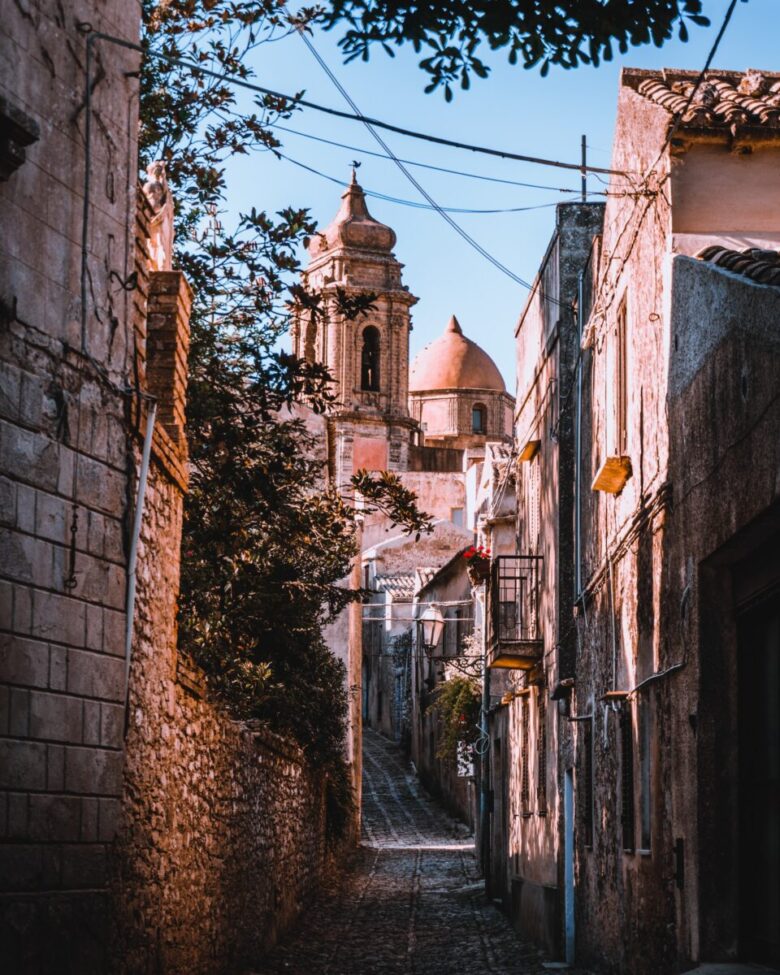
pixel 369 359
pixel 587 791
pixel 456 516
pixel 478 418
pixel 645 767
pixel 627 780
pixel 525 789
pixel 541 751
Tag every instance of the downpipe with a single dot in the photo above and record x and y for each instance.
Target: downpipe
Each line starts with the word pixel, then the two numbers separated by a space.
pixel 132 561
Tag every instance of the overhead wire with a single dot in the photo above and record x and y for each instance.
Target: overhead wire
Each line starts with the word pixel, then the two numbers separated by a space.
pixel 438 169
pixel 409 203
pixel 420 189
pixel 355 116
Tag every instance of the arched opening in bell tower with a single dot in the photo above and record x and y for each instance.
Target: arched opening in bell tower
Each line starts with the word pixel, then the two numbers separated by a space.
pixel 369 359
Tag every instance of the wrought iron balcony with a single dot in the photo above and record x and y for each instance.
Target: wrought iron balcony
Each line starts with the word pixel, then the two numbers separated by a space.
pixel 514 637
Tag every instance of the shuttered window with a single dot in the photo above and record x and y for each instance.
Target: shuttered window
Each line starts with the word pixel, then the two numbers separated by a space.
pixel 627 780
pixel 541 752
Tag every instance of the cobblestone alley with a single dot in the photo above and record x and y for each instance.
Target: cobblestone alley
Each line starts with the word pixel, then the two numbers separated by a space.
pixel 412 902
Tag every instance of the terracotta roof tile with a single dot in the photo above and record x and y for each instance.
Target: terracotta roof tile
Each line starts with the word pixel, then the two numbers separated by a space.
pixel 759 265
pixel 725 99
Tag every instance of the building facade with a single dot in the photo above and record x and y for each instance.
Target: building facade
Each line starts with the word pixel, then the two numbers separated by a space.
pixel 637 816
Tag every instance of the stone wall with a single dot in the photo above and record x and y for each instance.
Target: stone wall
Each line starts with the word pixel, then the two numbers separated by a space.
pixel 64 484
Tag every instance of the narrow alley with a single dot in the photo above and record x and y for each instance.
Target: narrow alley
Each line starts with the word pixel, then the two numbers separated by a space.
pixel 413 900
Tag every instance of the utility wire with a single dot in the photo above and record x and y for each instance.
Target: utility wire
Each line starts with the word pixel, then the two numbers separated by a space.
pixel 420 189
pixel 438 169
pixel 409 203
pixel 86 28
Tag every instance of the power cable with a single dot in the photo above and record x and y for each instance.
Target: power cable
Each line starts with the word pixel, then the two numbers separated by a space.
pixel 420 189
pixel 409 203
pixel 438 169
pixel 86 28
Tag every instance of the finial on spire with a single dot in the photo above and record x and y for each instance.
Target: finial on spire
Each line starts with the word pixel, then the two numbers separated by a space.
pixel 355 168
pixel 454 326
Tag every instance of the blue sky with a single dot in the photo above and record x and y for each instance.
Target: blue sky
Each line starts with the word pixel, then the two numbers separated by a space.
pixel 513 109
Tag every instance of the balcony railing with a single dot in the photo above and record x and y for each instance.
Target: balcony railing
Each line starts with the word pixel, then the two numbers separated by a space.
pixel 515 638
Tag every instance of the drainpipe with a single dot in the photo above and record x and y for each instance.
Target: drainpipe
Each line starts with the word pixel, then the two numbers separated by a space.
pixel 483 727
pixel 133 558
pixel 578 449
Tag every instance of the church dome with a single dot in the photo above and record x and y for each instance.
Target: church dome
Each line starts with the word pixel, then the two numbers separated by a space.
pixel 454 362
pixel 353 226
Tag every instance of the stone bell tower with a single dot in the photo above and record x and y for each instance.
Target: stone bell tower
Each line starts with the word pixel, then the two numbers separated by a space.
pixel 369 425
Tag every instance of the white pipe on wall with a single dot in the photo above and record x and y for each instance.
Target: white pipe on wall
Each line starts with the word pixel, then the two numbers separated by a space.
pixel 134 538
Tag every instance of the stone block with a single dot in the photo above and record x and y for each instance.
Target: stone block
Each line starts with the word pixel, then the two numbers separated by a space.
pixel 18 816
pixel 26 558
pixel 18 713
pixel 52 518
pixel 55 717
pixel 23 661
pixel 89 821
pixel 91 730
pixel 114 548
pixel 5 703
pixel 22 765
pixel 7 502
pixel 83 867
pixel 6 604
pixel 10 385
pixel 22 618
pixel 114 632
pixel 55 818
pixel 55 768
pixel 108 819
pixel 58 668
pixel 112 725
pixel 32 454
pixel 31 401
pixel 58 618
pixel 96 675
pixel 96 534
pixel 25 509
pixel 94 627
pixel 101 487
pixel 65 478
pixel 21 867
pixel 93 771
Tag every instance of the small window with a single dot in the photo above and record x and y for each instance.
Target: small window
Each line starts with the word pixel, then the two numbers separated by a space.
pixel 478 418
pixel 525 787
pixel 456 516
pixel 369 360
pixel 587 791
pixel 541 752
pixel 627 780
pixel 621 382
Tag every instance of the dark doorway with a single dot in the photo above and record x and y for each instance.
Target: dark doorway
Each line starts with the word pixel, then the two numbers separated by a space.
pixel 759 782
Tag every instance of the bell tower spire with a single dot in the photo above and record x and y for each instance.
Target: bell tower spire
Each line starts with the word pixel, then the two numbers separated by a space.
pixel 367 355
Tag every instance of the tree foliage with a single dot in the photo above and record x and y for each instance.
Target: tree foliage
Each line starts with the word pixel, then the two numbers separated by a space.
pixel 567 33
pixel 265 540
pixel 457 704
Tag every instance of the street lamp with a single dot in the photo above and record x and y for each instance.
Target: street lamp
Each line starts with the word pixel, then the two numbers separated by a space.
pixel 432 624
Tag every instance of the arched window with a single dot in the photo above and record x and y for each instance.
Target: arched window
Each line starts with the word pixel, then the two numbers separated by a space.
pixel 369 359
pixel 478 418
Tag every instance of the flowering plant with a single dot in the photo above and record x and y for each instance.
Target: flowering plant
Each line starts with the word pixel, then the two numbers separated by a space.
pixel 476 552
